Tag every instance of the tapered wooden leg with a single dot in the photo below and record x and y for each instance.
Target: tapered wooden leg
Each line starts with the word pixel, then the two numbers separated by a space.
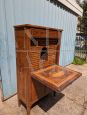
pixel 28 111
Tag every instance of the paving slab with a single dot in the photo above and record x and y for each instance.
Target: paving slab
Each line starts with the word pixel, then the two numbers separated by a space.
pixel 65 107
pixel 47 106
pixel 77 91
pixel 79 68
pixel 85 112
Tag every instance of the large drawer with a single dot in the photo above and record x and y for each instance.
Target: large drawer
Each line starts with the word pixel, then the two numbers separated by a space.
pixel 38 33
pixel 53 34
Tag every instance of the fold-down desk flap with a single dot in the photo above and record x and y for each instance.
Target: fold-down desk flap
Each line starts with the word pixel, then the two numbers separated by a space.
pixel 56 77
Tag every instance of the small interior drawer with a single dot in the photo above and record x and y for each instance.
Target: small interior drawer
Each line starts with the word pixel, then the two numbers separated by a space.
pixel 38 33
pixel 53 34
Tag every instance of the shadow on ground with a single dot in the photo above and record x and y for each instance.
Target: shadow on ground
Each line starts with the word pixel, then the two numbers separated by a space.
pixel 49 101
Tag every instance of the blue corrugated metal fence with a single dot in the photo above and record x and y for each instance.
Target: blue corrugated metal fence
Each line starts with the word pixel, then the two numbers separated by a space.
pixel 36 12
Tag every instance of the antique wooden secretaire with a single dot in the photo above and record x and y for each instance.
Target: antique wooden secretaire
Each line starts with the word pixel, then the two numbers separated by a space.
pixel 37 60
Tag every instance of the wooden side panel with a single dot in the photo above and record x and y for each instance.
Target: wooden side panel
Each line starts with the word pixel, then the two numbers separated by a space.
pixel 22 59
pixel 23 74
pixel 21 63
pixel 19 39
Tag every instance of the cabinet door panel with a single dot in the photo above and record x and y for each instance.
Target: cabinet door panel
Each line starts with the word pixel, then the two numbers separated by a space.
pixel 38 90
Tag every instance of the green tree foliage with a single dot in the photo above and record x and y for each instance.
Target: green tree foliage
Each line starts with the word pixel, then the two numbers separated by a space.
pixel 82 25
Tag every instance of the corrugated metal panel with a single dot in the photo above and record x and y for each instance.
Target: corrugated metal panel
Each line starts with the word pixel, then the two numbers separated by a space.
pixel 39 12
pixel 4 65
pixel 11 44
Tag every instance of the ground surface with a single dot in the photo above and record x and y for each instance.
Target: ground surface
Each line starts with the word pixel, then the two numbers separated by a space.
pixel 73 102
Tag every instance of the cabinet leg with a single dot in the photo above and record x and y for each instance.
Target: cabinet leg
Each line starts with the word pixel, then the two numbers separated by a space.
pixel 28 111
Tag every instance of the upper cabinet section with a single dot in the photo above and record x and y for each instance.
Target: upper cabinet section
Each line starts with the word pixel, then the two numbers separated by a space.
pixel 28 36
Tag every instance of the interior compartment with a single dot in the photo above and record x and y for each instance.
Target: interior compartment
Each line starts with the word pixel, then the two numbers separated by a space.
pixel 44 41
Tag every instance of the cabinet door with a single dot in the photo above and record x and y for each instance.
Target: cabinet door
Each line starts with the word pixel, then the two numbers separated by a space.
pixel 38 90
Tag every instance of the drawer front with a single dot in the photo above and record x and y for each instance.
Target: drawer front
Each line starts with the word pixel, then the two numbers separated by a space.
pixel 39 33
pixel 53 34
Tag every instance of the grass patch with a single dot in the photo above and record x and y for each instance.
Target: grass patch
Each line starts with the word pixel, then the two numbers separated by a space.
pixel 78 61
